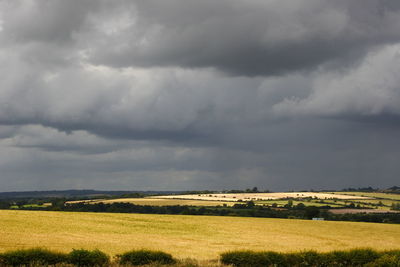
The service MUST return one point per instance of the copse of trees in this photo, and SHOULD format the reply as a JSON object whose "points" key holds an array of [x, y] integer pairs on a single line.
{"points": [[248, 190]]}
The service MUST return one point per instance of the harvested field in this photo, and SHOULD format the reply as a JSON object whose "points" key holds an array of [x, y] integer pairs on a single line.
{"points": [[156, 202], [200, 237], [261, 196]]}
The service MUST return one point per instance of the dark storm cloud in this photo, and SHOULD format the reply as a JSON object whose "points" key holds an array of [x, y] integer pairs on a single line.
{"points": [[45, 21], [199, 94], [251, 37]]}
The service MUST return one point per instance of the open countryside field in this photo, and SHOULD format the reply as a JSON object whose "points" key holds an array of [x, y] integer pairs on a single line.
{"points": [[201, 237], [261, 196], [377, 200], [384, 204], [371, 195], [156, 202], [281, 203]]}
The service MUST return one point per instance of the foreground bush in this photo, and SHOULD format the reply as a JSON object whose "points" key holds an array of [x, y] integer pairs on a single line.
{"points": [[304, 258], [251, 258], [142, 257], [35, 256], [82, 257], [85, 258], [354, 257], [386, 260]]}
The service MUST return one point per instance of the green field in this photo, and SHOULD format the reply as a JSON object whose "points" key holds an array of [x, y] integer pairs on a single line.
{"points": [[201, 237], [373, 195]]}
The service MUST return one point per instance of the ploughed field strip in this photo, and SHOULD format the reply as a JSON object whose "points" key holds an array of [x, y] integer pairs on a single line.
{"points": [[200, 237]]}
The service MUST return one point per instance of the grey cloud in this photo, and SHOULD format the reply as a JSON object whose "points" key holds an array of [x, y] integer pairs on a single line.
{"points": [[250, 38], [371, 89], [134, 94], [45, 21]]}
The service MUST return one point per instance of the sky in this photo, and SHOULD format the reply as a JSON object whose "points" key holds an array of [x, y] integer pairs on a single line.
{"points": [[193, 95]]}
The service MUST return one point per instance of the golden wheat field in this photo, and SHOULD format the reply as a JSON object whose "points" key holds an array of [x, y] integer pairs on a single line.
{"points": [[201, 237]]}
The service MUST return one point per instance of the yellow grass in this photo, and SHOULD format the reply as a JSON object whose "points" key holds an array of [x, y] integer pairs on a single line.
{"points": [[158, 202], [201, 237], [261, 196]]}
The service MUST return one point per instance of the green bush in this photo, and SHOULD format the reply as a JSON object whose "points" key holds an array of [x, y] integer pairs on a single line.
{"points": [[142, 257], [360, 257], [32, 256], [354, 257], [82, 257], [248, 258], [387, 260], [304, 258], [392, 252]]}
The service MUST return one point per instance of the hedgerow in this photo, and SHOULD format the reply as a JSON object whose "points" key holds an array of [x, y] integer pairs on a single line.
{"points": [[354, 257], [32, 256], [142, 257], [87, 258]]}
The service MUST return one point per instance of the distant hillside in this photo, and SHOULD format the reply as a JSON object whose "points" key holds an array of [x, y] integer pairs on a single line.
{"points": [[89, 193], [393, 190], [73, 193]]}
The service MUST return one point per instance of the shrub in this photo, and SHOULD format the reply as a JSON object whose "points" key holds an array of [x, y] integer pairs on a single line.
{"points": [[253, 259], [32, 256], [82, 257], [354, 257], [304, 258], [393, 253], [389, 258], [360, 257], [142, 257]]}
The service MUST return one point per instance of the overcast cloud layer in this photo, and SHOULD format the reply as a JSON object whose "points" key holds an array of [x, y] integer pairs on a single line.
{"points": [[176, 95]]}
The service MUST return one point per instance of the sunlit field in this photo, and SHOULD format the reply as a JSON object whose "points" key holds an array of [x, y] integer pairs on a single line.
{"points": [[157, 202], [261, 196], [201, 237]]}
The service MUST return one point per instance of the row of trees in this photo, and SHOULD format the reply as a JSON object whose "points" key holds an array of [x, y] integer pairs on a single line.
{"points": [[299, 211]]}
